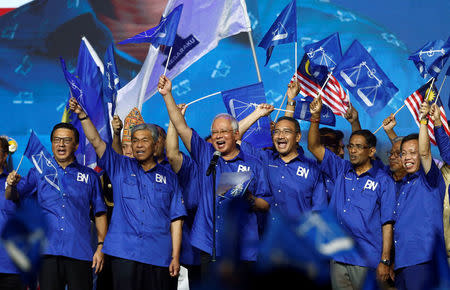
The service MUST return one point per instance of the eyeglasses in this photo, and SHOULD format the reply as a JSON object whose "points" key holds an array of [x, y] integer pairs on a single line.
{"points": [[277, 132], [357, 146], [65, 140], [393, 154], [221, 132]]}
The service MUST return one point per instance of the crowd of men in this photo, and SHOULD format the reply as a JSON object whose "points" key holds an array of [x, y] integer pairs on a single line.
{"points": [[164, 216]]}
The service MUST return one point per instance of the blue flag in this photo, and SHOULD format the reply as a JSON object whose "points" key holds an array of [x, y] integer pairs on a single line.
{"points": [[24, 239], [111, 81], [283, 30], [302, 112], [240, 102], [362, 76], [163, 34], [42, 161], [324, 55], [319, 235], [75, 88], [441, 270], [447, 73], [431, 58], [91, 81]]}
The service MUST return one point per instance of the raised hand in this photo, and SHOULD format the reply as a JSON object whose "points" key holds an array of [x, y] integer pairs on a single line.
{"points": [[164, 85], [13, 178], [424, 110], [117, 125], [293, 89], [316, 106], [351, 114], [182, 108], [74, 106], [435, 115], [389, 123], [264, 109]]}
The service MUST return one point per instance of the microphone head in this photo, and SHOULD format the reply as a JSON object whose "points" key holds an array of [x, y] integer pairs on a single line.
{"points": [[217, 153]]}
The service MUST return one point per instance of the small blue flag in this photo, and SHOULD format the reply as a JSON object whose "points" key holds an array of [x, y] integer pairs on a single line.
{"points": [[302, 112], [283, 30], [431, 58], [364, 78], [447, 73], [42, 161], [324, 55], [24, 239], [240, 102], [162, 34], [111, 81], [76, 90], [320, 237], [233, 184]]}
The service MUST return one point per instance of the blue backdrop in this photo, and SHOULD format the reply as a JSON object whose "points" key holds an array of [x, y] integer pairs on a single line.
{"points": [[33, 91]]}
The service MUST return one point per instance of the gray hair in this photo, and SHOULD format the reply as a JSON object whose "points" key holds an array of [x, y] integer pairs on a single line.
{"points": [[145, 126], [233, 121]]}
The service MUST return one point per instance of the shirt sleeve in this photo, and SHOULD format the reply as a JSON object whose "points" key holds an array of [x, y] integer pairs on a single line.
{"points": [[332, 165], [201, 151], [97, 200], [262, 183], [109, 161], [319, 198], [434, 176], [262, 155], [443, 143], [177, 208], [388, 196], [27, 186], [189, 182]]}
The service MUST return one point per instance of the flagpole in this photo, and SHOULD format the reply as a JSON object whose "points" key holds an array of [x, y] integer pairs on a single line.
{"points": [[168, 58], [295, 57], [282, 102], [282, 110], [20, 162], [202, 98], [254, 55], [428, 93], [394, 116], [324, 84], [439, 93], [148, 71]]}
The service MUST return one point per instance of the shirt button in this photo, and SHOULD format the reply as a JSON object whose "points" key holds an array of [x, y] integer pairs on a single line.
{"points": [[217, 231], [407, 182], [279, 190], [273, 218], [62, 229], [282, 176], [357, 178], [62, 217], [63, 205], [285, 164], [353, 188], [394, 211], [218, 216], [328, 180], [64, 194], [220, 202], [403, 192], [326, 190], [226, 162], [341, 223], [276, 204], [398, 203], [348, 199], [345, 210], [395, 242]]}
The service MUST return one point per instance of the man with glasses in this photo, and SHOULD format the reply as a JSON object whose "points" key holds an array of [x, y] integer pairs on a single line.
{"points": [[69, 257], [419, 209], [224, 134], [294, 179], [395, 168], [363, 199]]}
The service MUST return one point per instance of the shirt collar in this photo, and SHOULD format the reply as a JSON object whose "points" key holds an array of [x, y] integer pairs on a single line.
{"points": [[299, 157], [372, 171]]}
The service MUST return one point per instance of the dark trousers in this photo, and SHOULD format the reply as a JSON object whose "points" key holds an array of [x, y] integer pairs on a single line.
{"points": [[194, 276], [128, 274], [58, 271], [417, 277], [10, 282]]}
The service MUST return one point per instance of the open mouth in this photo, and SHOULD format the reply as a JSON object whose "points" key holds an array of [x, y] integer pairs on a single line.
{"points": [[220, 144], [61, 151], [409, 165], [282, 144]]}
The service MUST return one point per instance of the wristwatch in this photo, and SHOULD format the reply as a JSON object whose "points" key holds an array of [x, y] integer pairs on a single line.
{"points": [[386, 262]]}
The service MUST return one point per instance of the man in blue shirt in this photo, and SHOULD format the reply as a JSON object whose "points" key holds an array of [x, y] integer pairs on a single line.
{"points": [[395, 167], [363, 199], [146, 226], [9, 274], [224, 134], [69, 256], [295, 181], [418, 211]]}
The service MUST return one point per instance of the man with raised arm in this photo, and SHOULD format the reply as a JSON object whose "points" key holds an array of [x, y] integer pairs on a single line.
{"points": [[363, 199], [145, 231], [295, 180], [395, 168], [224, 133], [66, 204], [418, 211]]}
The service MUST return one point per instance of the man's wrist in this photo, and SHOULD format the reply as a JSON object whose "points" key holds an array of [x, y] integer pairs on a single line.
{"points": [[82, 116]]}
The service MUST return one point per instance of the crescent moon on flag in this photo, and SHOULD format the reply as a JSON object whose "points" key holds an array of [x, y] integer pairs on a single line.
{"points": [[307, 67]]}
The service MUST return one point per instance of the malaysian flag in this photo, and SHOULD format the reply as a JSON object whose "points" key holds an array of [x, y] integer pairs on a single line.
{"points": [[414, 101], [333, 95]]}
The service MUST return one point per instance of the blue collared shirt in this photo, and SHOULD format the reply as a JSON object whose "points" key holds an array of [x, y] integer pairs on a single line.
{"points": [[145, 204], [363, 204], [296, 185], [7, 210], [190, 185], [202, 152], [67, 210], [443, 143], [418, 213]]}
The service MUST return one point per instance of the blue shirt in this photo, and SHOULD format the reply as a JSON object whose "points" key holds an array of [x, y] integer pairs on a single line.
{"points": [[418, 213], [296, 185], [190, 184], [363, 204], [67, 210], [145, 204], [443, 143], [201, 235], [7, 210]]}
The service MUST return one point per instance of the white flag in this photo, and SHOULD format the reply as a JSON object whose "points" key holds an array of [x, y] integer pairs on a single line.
{"points": [[202, 25]]}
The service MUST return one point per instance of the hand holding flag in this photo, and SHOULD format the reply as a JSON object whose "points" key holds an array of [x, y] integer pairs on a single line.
{"points": [[74, 84], [111, 82], [431, 58], [302, 112]]}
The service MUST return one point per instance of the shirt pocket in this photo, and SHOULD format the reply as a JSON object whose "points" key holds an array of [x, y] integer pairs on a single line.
{"points": [[367, 200], [130, 188], [160, 196]]}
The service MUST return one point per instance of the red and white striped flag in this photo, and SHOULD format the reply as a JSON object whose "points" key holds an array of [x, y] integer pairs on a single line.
{"points": [[333, 95], [10, 5], [413, 103]]}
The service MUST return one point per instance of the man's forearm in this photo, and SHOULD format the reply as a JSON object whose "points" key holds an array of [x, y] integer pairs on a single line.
{"points": [[387, 241], [424, 146], [92, 134], [314, 138], [117, 144], [176, 232], [11, 193], [178, 121], [172, 149], [101, 224]]}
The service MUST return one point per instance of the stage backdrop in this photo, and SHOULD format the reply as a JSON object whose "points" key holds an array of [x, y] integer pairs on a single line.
{"points": [[33, 92]]}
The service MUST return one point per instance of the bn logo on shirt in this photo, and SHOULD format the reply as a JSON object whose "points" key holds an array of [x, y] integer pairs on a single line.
{"points": [[160, 178], [302, 172], [371, 185], [82, 177]]}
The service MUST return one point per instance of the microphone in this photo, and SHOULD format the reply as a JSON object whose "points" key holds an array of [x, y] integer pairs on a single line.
{"points": [[213, 162]]}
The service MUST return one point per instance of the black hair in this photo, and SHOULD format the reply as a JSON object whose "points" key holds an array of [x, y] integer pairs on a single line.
{"points": [[4, 144], [292, 120], [413, 136], [66, 126], [330, 137], [371, 140]]}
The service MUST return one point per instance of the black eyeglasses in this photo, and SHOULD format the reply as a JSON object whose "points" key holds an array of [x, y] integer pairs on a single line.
{"points": [[357, 146], [394, 154]]}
